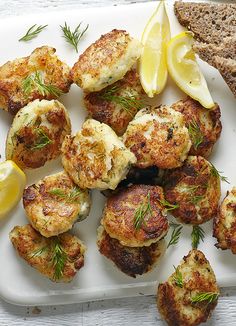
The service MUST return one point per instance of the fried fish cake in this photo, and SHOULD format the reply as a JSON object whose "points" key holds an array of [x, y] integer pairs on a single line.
{"points": [[37, 133], [225, 223], [130, 260], [95, 157], [21, 79], [55, 203], [195, 190], [176, 298], [136, 216], [204, 126], [58, 258], [106, 61], [116, 105], [158, 136]]}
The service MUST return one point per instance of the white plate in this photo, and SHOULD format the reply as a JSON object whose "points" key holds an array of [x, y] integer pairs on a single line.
{"points": [[99, 279]]}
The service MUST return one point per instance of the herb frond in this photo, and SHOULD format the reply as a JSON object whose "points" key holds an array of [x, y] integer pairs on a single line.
{"points": [[195, 133], [35, 81], [32, 32], [70, 198], [175, 235], [168, 206], [58, 259], [205, 296], [196, 199], [178, 278], [142, 211], [73, 37], [42, 139], [217, 174], [127, 101], [38, 252], [197, 235]]}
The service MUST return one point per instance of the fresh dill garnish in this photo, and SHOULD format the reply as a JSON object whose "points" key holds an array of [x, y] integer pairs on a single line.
{"points": [[41, 141], [175, 235], [38, 252], [70, 197], [168, 206], [32, 32], [195, 134], [142, 211], [58, 259], [196, 199], [217, 174], [205, 296], [197, 235], [73, 37], [128, 102], [35, 81], [178, 278]]}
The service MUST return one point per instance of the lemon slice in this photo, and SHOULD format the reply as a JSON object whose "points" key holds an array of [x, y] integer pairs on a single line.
{"points": [[184, 70], [152, 64], [12, 183]]}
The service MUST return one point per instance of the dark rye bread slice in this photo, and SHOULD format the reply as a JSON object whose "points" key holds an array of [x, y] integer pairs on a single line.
{"points": [[210, 22], [227, 68], [207, 52]]}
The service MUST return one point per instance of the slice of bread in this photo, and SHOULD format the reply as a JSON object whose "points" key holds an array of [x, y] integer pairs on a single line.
{"points": [[227, 68], [210, 22]]}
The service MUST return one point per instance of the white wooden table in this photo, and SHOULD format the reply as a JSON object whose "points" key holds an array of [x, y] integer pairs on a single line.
{"points": [[125, 312]]}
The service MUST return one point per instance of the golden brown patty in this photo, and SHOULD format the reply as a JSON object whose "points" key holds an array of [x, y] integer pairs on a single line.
{"points": [[174, 302], [158, 136], [204, 126], [47, 255], [95, 157], [106, 61], [55, 203], [225, 223], [130, 260], [116, 105], [195, 189], [37, 133], [136, 216], [42, 63]]}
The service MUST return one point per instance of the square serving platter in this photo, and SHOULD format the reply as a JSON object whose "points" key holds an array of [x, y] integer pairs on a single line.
{"points": [[99, 278]]}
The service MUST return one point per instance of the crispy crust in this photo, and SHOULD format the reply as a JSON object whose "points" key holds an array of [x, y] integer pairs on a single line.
{"points": [[174, 303], [95, 157], [195, 188], [208, 122], [12, 74], [131, 261], [110, 112], [119, 216], [158, 136], [52, 213], [106, 61], [28, 242], [225, 223], [29, 128]]}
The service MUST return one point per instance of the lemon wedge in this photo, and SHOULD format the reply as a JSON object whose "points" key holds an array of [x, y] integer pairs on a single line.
{"points": [[184, 69], [152, 63], [12, 183]]}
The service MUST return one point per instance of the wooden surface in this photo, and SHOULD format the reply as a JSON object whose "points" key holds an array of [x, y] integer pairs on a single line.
{"points": [[126, 312]]}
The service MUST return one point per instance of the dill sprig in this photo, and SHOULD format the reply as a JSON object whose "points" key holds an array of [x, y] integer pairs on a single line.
{"points": [[168, 206], [178, 277], [73, 37], [42, 139], [35, 81], [197, 235], [128, 102], [195, 133], [58, 259], [32, 32], [71, 197], [175, 235], [205, 296], [217, 174], [196, 199], [38, 252], [141, 212]]}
